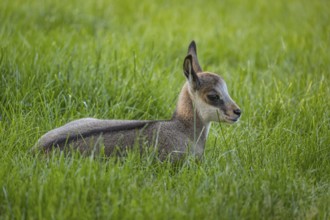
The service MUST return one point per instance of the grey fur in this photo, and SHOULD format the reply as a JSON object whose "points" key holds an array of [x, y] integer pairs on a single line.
{"points": [[185, 133]]}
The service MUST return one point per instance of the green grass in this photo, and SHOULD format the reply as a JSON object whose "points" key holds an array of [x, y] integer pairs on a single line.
{"points": [[64, 60]]}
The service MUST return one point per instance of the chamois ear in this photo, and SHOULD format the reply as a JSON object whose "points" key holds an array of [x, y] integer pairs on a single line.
{"points": [[190, 73], [192, 50]]}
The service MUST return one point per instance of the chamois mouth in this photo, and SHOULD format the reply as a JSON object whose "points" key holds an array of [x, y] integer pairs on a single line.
{"points": [[231, 120]]}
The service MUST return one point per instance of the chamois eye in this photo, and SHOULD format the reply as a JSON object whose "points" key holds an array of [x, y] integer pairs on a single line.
{"points": [[213, 97]]}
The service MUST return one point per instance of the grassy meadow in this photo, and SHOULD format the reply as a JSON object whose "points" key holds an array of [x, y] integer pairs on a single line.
{"points": [[61, 61]]}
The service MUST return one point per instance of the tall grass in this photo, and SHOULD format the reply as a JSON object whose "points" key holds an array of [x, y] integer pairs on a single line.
{"points": [[60, 61]]}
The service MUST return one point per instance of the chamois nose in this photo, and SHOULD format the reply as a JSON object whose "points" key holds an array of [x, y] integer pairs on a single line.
{"points": [[237, 111]]}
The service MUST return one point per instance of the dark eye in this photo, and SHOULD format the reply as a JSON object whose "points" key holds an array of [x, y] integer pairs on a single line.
{"points": [[213, 97]]}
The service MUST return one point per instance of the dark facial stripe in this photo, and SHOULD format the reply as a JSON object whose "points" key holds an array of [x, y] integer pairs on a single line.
{"points": [[218, 104]]}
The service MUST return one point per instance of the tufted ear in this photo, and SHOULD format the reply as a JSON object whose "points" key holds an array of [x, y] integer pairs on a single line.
{"points": [[192, 50], [190, 73]]}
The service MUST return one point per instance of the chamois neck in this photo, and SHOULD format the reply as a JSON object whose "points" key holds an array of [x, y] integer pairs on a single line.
{"points": [[187, 114]]}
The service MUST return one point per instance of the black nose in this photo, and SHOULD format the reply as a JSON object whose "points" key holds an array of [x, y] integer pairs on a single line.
{"points": [[237, 111]]}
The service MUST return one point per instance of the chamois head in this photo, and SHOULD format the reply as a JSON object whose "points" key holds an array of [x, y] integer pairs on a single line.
{"points": [[208, 91]]}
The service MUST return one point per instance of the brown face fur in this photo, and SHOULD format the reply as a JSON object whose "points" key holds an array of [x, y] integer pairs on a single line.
{"points": [[208, 91], [213, 100]]}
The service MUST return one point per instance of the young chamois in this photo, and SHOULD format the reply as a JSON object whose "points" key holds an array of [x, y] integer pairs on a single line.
{"points": [[204, 98]]}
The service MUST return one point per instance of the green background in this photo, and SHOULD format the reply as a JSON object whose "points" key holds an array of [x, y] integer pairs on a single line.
{"points": [[64, 60]]}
